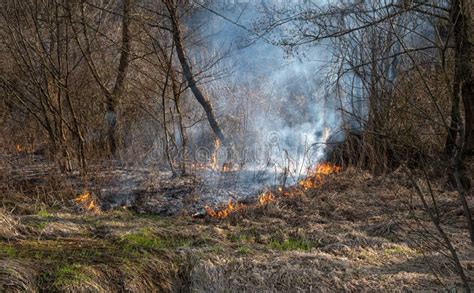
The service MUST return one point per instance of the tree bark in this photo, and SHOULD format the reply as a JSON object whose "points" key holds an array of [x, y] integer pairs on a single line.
{"points": [[187, 71], [182, 130], [463, 86], [462, 18], [112, 97]]}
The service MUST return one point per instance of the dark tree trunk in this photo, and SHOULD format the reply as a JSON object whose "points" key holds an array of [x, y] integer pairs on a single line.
{"points": [[112, 98], [462, 19], [463, 87], [188, 74]]}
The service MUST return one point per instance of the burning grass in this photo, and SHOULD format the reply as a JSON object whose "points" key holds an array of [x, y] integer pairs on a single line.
{"points": [[314, 179], [316, 176], [223, 213], [87, 202], [338, 236]]}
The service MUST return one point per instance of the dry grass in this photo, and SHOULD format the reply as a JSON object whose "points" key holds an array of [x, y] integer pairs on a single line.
{"points": [[355, 233], [18, 276], [9, 226]]}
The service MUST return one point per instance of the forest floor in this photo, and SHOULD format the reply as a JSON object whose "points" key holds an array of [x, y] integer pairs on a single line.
{"points": [[355, 232]]}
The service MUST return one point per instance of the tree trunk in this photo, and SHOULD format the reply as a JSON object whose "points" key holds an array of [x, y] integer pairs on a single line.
{"points": [[463, 22], [112, 98], [455, 126], [182, 130], [463, 87], [188, 74]]}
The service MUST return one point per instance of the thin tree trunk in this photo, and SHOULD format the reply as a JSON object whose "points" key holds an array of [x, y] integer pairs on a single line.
{"points": [[182, 130], [167, 147], [188, 74], [454, 130], [163, 108]]}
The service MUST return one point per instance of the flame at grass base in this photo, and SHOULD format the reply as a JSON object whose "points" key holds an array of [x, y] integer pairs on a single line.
{"points": [[315, 179], [266, 197], [225, 212], [87, 202], [233, 207]]}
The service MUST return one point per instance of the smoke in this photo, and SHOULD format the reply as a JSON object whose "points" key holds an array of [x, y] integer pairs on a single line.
{"points": [[284, 109]]}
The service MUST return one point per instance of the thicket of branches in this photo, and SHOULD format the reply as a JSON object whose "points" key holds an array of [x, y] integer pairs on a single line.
{"points": [[86, 79]]}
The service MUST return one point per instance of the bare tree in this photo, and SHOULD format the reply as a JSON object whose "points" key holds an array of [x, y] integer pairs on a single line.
{"points": [[172, 7], [39, 41], [112, 96]]}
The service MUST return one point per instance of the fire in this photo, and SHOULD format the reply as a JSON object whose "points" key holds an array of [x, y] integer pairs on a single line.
{"points": [[85, 199], [266, 197], [316, 177], [225, 212], [233, 207], [18, 148], [91, 205], [327, 168], [82, 197]]}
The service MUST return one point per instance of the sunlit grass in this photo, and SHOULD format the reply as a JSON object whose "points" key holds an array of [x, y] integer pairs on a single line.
{"points": [[290, 244], [69, 274], [147, 240]]}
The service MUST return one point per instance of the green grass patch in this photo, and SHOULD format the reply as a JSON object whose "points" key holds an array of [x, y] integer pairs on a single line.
{"points": [[240, 238], [398, 250], [243, 250], [8, 250], [37, 224], [290, 244], [44, 214], [69, 274], [144, 239]]}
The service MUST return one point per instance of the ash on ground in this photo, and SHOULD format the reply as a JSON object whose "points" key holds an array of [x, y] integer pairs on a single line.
{"points": [[157, 192], [143, 189]]}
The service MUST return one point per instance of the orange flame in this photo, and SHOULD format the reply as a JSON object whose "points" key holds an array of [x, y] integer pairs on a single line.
{"points": [[18, 148], [232, 207], [313, 180], [91, 205], [266, 197], [316, 177], [225, 212], [85, 199]]}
